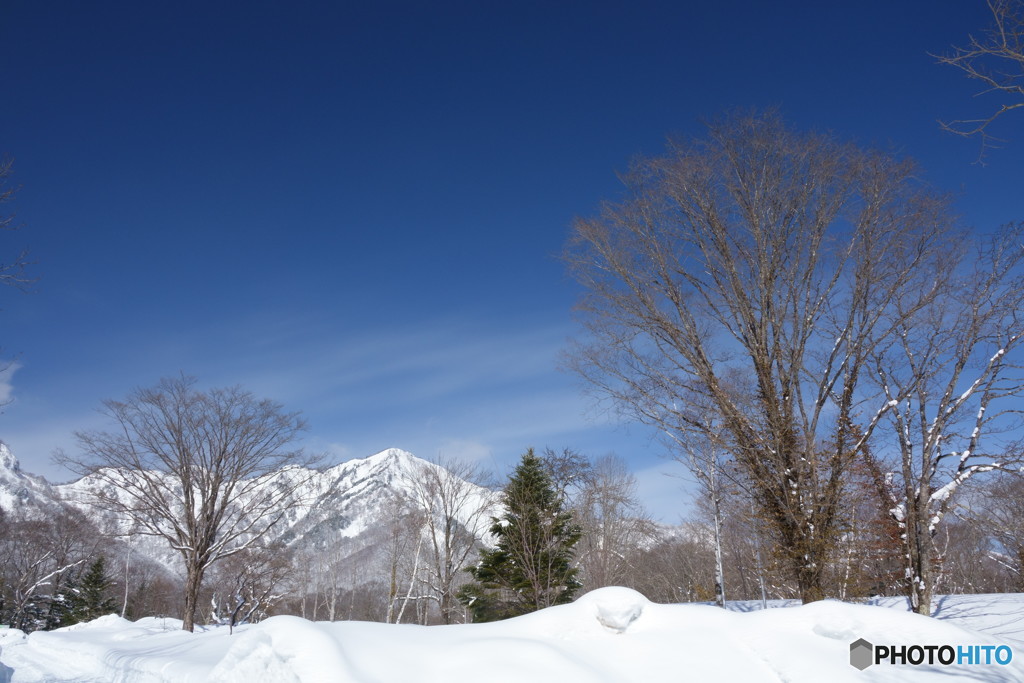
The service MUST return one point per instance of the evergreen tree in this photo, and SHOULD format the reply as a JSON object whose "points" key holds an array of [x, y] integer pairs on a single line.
{"points": [[60, 609], [530, 568], [90, 595]]}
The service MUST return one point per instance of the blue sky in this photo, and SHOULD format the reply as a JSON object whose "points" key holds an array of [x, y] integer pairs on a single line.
{"points": [[356, 208]]}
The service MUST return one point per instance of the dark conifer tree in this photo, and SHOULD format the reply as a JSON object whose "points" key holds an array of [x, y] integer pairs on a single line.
{"points": [[531, 566], [91, 594]]}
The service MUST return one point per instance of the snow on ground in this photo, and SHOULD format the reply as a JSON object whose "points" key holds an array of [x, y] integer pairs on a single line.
{"points": [[612, 634]]}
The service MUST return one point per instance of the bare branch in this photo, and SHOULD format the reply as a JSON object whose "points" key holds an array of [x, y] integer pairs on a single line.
{"points": [[996, 59], [744, 283], [210, 472], [951, 379]]}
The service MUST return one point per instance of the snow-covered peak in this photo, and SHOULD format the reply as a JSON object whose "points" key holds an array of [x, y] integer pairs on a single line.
{"points": [[7, 459], [393, 458], [388, 465], [19, 488]]}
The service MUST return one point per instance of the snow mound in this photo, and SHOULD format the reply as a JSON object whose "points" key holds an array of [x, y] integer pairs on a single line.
{"points": [[610, 635], [161, 623], [284, 649], [107, 621], [616, 608]]}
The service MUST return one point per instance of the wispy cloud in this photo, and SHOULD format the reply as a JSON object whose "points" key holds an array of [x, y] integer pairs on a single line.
{"points": [[401, 365], [7, 370], [466, 450], [475, 391], [441, 368]]}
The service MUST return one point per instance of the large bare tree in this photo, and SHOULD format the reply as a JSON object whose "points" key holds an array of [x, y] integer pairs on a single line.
{"points": [[749, 274], [212, 472]]}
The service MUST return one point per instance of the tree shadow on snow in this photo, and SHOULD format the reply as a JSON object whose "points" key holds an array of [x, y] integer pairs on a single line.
{"points": [[998, 614]]}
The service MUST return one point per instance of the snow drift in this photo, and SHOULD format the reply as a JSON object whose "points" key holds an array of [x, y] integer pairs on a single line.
{"points": [[611, 634]]}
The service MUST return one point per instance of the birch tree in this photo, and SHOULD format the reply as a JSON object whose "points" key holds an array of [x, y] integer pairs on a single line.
{"points": [[707, 461], [210, 472], [770, 255], [952, 376], [403, 545], [455, 511]]}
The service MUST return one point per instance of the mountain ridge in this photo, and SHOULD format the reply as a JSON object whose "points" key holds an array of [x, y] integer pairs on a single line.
{"points": [[352, 501]]}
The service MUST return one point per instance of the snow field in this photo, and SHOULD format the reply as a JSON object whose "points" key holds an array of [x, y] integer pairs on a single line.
{"points": [[608, 635]]}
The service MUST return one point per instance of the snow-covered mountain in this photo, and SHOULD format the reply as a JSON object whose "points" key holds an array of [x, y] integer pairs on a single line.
{"points": [[19, 489], [354, 496], [355, 501]]}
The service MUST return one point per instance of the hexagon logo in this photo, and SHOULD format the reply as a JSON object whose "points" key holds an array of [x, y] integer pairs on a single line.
{"points": [[861, 654]]}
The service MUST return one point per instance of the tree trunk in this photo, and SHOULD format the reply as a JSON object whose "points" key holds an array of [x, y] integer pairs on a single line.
{"points": [[811, 582], [804, 552], [127, 558], [446, 607], [920, 577], [719, 568], [809, 554], [193, 583]]}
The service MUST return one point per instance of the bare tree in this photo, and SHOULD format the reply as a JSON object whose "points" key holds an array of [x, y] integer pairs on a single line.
{"points": [[708, 460], [403, 546], [211, 472], [677, 568], [456, 511], [319, 576], [968, 562], [248, 585], [996, 59], [613, 522], [569, 470], [36, 557], [320, 573], [953, 377], [999, 514], [769, 255]]}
